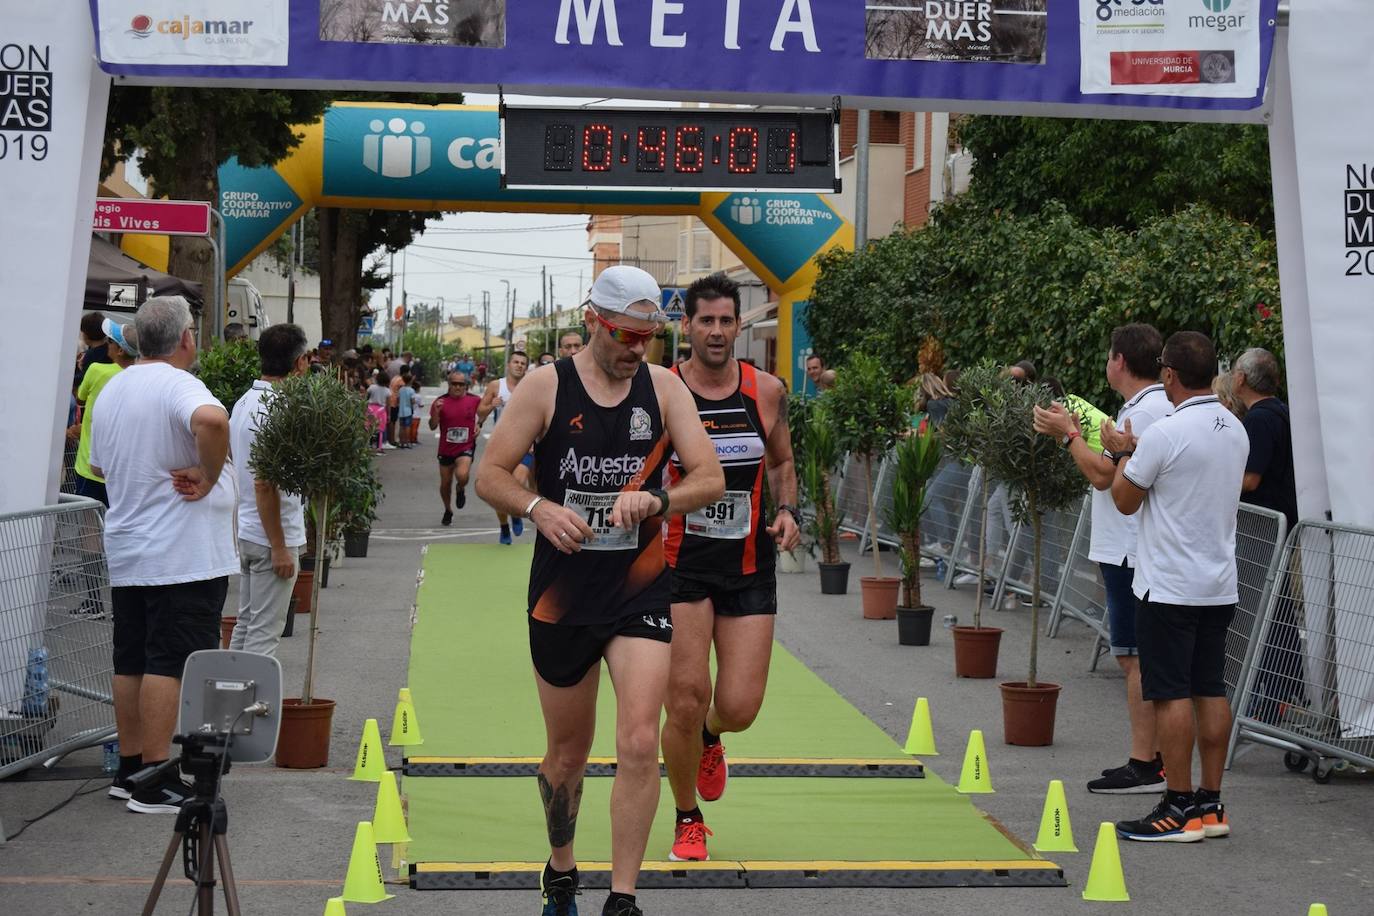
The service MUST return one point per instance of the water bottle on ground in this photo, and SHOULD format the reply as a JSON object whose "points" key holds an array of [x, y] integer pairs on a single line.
{"points": [[109, 757], [941, 567], [36, 683]]}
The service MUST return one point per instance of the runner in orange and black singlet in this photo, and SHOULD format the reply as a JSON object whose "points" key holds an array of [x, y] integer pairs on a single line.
{"points": [[602, 424], [723, 558]]}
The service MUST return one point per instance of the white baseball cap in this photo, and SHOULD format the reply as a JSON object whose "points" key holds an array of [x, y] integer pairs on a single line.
{"points": [[619, 287]]}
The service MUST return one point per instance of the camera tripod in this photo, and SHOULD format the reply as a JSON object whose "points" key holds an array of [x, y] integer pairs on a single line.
{"points": [[201, 827]]}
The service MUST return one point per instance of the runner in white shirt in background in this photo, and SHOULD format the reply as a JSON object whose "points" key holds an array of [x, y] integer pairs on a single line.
{"points": [[1183, 475], [271, 523]]}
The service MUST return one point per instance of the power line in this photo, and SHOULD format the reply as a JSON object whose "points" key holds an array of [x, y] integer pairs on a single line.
{"points": [[504, 254]]}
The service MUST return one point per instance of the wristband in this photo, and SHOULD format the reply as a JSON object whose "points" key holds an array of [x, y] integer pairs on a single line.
{"points": [[662, 499], [530, 508], [792, 511], [1072, 435], [1118, 457]]}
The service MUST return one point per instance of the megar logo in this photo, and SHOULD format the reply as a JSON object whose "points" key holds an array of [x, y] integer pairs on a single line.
{"points": [[141, 26], [1217, 6], [1217, 19]]}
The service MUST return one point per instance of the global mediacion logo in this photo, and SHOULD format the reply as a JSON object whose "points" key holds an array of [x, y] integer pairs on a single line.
{"points": [[143, 26]]}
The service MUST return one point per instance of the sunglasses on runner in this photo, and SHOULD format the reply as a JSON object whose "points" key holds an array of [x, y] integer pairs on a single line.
{"points": [[624, 335]]}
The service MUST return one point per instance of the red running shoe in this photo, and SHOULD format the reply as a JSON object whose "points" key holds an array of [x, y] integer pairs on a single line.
{"points": [[689, 842], [713, 772]]}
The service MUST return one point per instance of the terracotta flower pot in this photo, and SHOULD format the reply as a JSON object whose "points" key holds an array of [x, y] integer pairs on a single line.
{"points": [[834, 578], [1028, 713], [303, 743], [302, 591], [879, 596], [975, 651], [226, 629]]}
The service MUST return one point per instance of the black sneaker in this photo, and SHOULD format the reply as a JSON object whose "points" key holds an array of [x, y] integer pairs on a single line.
{"points": [[166, 797], [462, 498], [121, 788], [1213, 814], [560, 893], [447, 519], [621, 907], [1167, 823], [1158, 763], [89, 609], [1134, 778]]}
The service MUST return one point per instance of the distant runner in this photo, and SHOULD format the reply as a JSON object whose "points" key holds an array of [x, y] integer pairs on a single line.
{"points": [[454, 414], [602, 425], [494, 399]]}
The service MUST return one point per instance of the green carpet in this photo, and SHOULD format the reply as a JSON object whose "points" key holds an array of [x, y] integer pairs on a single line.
{"points": [[474, 692]]}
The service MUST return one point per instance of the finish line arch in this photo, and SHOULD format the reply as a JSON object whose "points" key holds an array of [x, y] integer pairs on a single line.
{"points": [[446, 157]]}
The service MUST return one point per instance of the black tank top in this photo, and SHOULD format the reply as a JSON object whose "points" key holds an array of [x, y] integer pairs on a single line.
{"points": [[586, 458], [728, 537]]}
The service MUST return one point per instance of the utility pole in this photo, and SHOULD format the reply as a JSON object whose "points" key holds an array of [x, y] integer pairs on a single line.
{"points": [[291, 275], [486, 325], [861, 183], [390, 300]]}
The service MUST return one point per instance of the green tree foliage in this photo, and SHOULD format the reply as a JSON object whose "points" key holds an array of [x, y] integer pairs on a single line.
{"points": [[914, 462], [229, 369], [1119, 173]]}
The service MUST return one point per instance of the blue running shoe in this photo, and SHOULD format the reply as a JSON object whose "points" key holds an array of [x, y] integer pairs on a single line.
{"points": [[505, 536], [517, 527], [560, 893]]}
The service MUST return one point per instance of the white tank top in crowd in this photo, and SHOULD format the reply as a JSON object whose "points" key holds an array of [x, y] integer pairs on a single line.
{"points": [[503, 392]]}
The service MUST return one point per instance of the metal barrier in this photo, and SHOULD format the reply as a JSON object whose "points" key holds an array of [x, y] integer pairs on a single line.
{"points": [[1080, 595], [1308, 684], [1057, 531], [55, 633], [1260, 535]]}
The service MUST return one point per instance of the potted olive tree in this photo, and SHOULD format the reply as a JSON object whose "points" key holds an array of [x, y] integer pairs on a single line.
{"points": [[870, 413], [914, 461], [822, 457], [982, 389], [314, 442], [229, 370], [1044, 478]]}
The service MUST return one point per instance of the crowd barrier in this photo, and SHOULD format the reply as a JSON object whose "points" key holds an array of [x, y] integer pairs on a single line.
{"points": [[55, 633]]}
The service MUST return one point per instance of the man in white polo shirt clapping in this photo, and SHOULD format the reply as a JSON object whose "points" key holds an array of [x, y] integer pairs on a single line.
{"points": [[1183, 475]]}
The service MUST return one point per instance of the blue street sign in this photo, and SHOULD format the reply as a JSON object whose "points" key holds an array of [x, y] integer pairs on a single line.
{"points": [[672, 302]]}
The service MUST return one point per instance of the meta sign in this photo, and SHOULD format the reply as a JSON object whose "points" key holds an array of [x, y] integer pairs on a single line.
{"points": [[151, 217]]}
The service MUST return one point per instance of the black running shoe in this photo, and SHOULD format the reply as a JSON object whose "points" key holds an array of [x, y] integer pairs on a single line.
{"points": [[166, 797], [448, 516], [621, 907], [1167, 823], [121, 788], [560, 893], [462, 497], [1134, 778]]}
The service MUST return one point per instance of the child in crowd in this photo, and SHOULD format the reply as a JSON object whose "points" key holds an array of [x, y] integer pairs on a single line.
{"points": [[417, 407], [405, 410]]}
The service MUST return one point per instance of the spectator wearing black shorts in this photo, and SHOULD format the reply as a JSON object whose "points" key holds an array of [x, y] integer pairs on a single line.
{"points": [[1183, 475], [160, 439]]}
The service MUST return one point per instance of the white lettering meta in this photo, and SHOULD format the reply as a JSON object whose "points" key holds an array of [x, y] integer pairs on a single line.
{"points": [[662, 9], [588, 14], [803, 25]]}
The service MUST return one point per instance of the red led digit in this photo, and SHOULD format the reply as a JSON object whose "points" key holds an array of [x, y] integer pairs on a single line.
{"points": [[743, 150], [782, 150], [596, 147], [650, 148], [688, 155]]}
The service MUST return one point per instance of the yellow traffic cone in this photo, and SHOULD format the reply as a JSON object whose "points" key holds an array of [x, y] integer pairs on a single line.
{"points": [[920, 738], [371, 763], [364, 881], [975, 778], [405, 728], [388, 821], [334, 907], [1056, 834], [1106, 883], [1317, 909]]}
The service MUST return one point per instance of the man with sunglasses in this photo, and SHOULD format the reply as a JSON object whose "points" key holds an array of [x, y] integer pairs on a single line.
{"points": [[602, 425], [1183, 476], [454, 414], [723, 558]]}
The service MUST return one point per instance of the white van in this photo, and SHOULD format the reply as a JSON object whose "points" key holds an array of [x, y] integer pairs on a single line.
{"points": [[244, 305]]}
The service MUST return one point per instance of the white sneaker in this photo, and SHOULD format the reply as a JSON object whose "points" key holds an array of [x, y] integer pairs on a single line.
{"points": [[965, 579], [388, 445]]}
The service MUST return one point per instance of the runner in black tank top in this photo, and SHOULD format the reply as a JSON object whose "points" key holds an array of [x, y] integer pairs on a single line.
{"points": [[723, 559], [602, 424]]}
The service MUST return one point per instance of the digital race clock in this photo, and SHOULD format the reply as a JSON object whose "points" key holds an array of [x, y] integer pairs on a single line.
{"points": [[669, 149]]}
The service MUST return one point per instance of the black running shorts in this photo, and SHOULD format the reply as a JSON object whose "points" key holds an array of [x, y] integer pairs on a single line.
{"points": [[731, 596], [564, 653], [448, 461], [1182, 649], [157, 626]]}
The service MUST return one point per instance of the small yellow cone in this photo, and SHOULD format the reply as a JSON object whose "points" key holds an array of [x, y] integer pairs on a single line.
{"points": [[335, 907], [370, 764], [388, 821], [364, 881], [1056, 834], [1106, 883], [920, 738], [1317, 909], [405, 728], [975, 778]]}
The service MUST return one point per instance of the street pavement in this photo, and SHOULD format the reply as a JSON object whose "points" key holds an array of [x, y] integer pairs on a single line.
{"points": [[1294, 842]]}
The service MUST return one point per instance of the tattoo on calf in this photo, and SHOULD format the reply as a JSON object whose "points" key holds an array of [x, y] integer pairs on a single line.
{"points": [[560, 810]]}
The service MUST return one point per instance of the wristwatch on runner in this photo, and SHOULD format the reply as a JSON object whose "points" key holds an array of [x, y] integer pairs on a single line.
{"points": [[792, 511], [662, 499]]}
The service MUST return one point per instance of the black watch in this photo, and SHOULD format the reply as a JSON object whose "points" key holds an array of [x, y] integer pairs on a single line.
{"points": [[1117, 456], [662, 499], [792, 511]]}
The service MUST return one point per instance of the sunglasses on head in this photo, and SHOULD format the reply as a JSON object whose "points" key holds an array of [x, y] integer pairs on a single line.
{"points": [[624, 336]]}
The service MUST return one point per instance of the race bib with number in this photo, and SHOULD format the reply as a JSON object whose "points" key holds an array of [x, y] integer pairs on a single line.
{"points": [[456, 435], [596, 512], [728, 518]]}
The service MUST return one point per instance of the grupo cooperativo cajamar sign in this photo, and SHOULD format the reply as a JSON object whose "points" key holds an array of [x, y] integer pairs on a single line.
{"points": [[1032, 56]]}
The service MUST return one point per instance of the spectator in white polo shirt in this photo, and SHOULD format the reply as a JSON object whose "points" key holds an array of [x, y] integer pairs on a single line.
{"points": [[1133, 372], [1183, 475], [271, 522]]}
